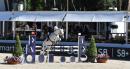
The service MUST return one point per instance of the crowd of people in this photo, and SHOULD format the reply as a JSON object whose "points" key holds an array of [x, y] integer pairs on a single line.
{"points": [[45, 29], [44, 32]]}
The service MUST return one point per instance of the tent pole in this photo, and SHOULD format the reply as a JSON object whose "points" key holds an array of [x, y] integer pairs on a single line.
{"points": [[99, 31], [25, 4], [97, 28], [66, 30], [67, 5], [48, 24], [13, 29], [126, 24], [105, 29], [67, 22], [126, 32], [7, 4], [56, 23], [3, 30]]}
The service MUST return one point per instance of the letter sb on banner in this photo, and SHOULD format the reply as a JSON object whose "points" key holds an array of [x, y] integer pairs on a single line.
{"points": [[30, 50]]}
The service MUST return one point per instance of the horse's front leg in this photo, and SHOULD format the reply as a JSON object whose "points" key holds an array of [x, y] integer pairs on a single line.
{"points": [[44, 49]]}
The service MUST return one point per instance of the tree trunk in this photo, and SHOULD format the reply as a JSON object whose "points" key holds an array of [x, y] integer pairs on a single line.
{"points": [[128, 5], [119, 4]]}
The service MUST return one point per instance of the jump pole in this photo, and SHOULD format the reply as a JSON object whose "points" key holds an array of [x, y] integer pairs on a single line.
{"points": [[79, 34]]}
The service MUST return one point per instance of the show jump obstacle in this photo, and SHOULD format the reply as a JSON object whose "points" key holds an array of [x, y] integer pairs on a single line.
{"points": [[31, 51], [115, 51]]}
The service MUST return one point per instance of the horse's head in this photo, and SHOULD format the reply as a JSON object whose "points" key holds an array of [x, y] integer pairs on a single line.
{"points": [[57, 35], [59, 31]]}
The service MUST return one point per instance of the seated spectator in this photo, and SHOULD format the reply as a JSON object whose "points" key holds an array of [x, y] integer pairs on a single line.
{"points": [[26, 27], [34, 26], [45, 31]]}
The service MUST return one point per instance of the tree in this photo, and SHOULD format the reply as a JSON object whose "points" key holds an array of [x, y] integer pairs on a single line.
{"points": [[34, 5], [29, 5], [18, 48], [125, 4], [128, 5], [92, 51], [39, 5], [119, 4]]}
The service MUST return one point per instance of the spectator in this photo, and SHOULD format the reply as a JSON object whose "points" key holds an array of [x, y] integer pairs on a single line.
{"points": [[34, 27], [26, 27], [45, 31], [87, 32], [50, 30]]}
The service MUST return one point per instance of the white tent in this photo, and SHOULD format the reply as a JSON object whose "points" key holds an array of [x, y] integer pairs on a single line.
{"points": [[79, 17], [109, 17], [69, 16], [44, 16], [51, 16], [24, 16], [73, 16], [95, 16], [5, 16]]}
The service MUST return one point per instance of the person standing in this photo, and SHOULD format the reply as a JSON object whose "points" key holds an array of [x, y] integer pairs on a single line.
{"points": [[34, 27], [45, 31], [26, 26], [50, 30]]}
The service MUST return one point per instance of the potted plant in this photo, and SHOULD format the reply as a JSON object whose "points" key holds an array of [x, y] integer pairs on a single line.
{"points": [[15, 59], [102, 58], [91, 51]]}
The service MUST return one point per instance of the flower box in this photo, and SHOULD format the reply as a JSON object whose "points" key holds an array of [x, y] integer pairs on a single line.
{"points": [[102, 58], [12, 60]]}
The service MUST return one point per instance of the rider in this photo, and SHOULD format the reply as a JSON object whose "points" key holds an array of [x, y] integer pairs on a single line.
{"points": [[45, 46]]}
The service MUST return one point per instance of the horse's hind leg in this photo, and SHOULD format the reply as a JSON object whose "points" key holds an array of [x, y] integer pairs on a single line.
{"points": [[43, 49]]}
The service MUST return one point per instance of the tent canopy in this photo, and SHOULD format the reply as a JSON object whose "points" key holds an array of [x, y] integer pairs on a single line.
{"points": [[5, 16], [95, 16], [71, 16], [44, 16]]}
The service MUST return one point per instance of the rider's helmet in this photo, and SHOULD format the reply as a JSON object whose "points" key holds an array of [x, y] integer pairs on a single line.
{"points": [[55, 27]]}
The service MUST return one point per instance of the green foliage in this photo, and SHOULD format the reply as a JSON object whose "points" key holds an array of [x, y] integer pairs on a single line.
{"points": [[18, 48], [89, 5], [29, 5], [92, 49], [34, 5], [39, 4]]}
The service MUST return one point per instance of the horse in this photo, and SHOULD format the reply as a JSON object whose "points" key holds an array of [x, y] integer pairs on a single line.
{"points": [[53, 38]]}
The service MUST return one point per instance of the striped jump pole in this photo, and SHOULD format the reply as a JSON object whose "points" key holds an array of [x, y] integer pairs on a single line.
{"points": [[80, 46]]}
